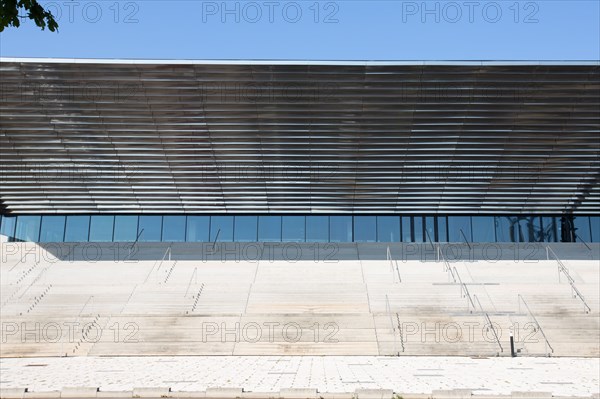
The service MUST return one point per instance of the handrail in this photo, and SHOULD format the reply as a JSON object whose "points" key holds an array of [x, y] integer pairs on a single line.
{"points": [[388, 310], [400, 332], [562, 268], [463, 287], [487, 316], [134, 242], [195, 273], [83, 307], [214, 243], [429, 237], [393, 264], [168, 251], [447, 267], [583, 241], [465, 237], [519, 296]]}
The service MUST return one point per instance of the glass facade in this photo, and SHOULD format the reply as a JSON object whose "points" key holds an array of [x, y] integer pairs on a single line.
{"points": [[388, 229], [340, 228], [293, 228], [417, 229], [221, 228], [77, 229], [365, 228], [459, 229], [300, 228], [484, 229], [269, 228], [173, 228], [53, 229], [245, 228], [582, 229], [101, 228], [150, 228], [7, 226], [406, 228], [317, 228], [28, 228], [126, 228], [197, 228]]}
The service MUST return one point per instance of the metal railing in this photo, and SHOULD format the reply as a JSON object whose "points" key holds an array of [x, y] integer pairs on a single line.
{"points": [[194, 274], [429, 238], [465, 238], [435, 246], [134, 243], [393, 265], [214, 243], [489, 321], [465, 290], [400, 332], [447, 267], [583, 241], [388, 310], [547, 343], [168, 251], [563, 269]]}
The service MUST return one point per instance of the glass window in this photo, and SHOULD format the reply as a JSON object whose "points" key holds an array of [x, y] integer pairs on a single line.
{"points": [[484, 229], [442, 229], [595, 228], [418, 229], [150, 228], [388, 228], [558, 224], [269, 228], [459, 229], [567, 229], [582, 228], [101, 228], [221, 228], [53, 229], [548, 229], [317, 228], [293, 228], [506, 230], [197, 228], [28, 228], [365, 228], [173, 228], [126, 228], [527, 229], [8, 226], [536, 233], [78, 228], [406, 229], [340, 228], [429, 229], [245, 229]]}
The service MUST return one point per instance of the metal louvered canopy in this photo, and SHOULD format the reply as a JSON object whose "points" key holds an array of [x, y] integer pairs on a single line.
{"points": [[299, 137]]}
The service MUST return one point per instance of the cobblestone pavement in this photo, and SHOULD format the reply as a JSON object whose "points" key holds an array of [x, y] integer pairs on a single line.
{"points": [[561, 376]]}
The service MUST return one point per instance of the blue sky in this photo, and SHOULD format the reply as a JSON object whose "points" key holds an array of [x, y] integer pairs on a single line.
{"points": [[307, 29]]}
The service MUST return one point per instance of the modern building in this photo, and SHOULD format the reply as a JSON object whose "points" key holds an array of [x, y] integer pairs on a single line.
{"points": [[285, 151], [256, 208]]}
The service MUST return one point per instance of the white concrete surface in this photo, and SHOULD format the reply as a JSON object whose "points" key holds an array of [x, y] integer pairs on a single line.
{"points": [[491, 376], [191, 307]]}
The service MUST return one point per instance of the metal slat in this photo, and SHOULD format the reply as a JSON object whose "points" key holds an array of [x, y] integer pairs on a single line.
{"points": [[287, 137]]}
